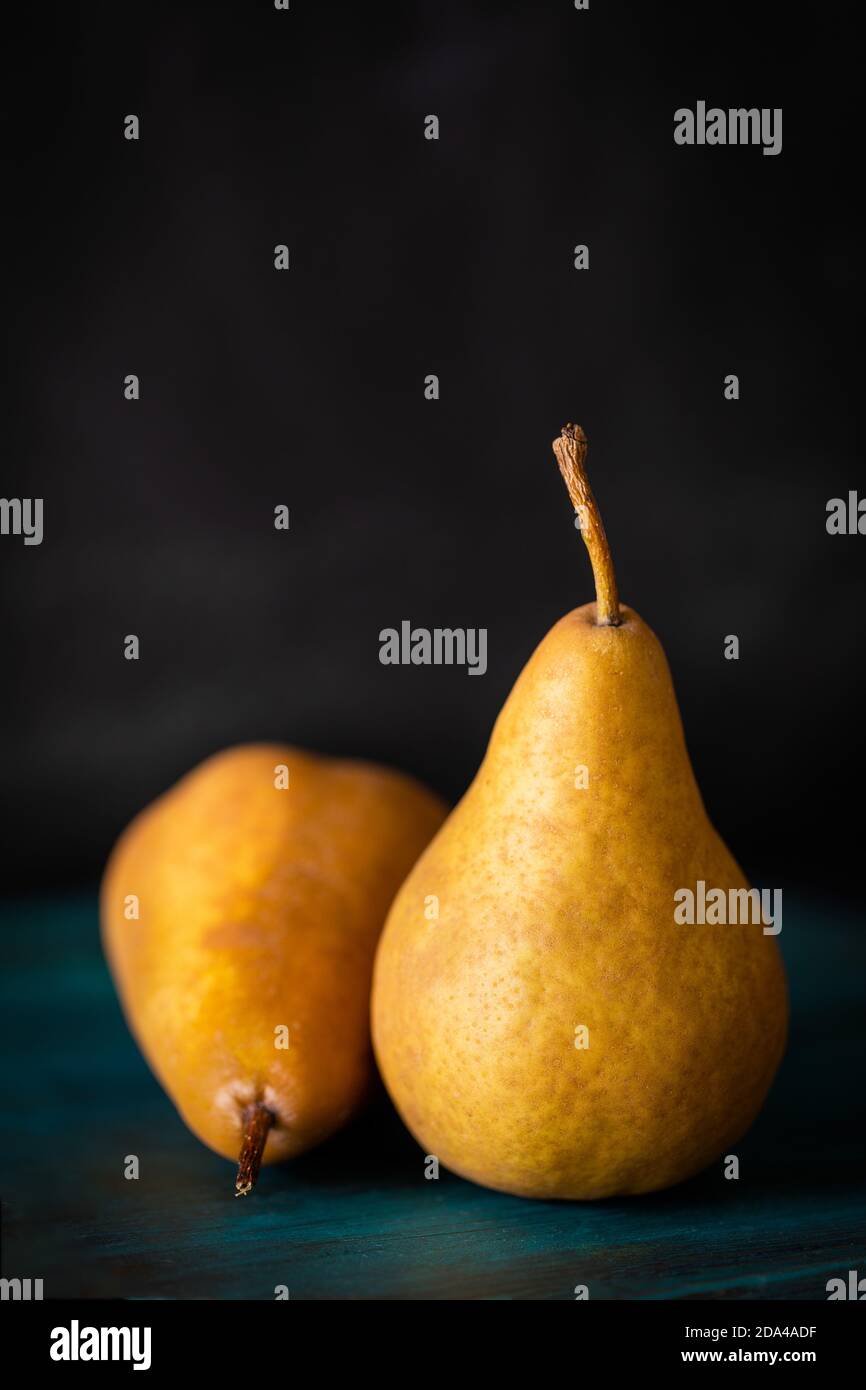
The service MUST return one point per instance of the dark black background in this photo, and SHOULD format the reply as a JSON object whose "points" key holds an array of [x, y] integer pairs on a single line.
{"points": [[410, 257]]}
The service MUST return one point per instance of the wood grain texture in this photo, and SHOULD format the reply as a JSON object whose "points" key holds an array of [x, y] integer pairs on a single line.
{"points": [[357, 1219]]}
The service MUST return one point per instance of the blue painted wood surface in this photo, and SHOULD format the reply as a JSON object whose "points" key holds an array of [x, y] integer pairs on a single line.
{"points": [[356, 1219]]}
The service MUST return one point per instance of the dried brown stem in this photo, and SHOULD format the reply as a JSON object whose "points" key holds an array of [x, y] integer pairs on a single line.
{"points": [[570, 450], [257, 1121]]}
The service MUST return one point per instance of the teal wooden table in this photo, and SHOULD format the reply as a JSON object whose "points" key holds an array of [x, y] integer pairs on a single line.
{"points": [[357, 1219]]}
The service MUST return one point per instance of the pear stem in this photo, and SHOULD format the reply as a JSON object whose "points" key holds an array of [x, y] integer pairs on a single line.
{"points": [[257, 1121], [570, 450]]}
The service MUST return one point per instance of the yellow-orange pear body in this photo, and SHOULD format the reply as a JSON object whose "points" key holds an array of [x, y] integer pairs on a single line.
{"points": [[261, 893], [554, 1032]]}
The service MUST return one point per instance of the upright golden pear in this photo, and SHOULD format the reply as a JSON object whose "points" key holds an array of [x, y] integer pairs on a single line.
{"points": [[240, 914], [557, 1031]]}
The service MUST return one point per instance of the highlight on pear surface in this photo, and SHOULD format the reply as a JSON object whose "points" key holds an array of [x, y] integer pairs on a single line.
{"points": [[259, 885], [558, 1034]]}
